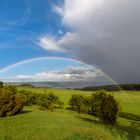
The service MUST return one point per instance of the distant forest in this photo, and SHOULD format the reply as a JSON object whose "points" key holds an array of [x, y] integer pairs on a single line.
{"points": [[134, 87]]}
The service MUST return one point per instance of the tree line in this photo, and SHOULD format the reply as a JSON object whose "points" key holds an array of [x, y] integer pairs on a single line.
{"points": [[132, 87]]}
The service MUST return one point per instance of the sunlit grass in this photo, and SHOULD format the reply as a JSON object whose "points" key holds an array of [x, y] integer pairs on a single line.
{"points": [[129, 100], [62, 124]]}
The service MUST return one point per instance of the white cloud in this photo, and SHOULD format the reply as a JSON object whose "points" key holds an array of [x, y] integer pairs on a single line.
{"points": [[22, 76], [49, 44], [78, 11], [58, 45], [70, 74]]}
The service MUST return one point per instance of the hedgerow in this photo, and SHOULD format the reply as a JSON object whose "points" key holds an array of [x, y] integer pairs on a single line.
{"points": [[45, 100]]}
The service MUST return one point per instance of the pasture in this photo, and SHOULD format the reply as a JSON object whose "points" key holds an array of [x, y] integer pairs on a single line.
{"points": [[64, 124]]}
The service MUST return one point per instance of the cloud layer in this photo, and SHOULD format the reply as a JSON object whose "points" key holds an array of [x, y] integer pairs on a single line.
{"points": [[70, 74], [104, 33]]}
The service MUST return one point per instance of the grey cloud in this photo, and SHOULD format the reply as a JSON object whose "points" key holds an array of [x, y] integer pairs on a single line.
{"points": [[108, 37]]}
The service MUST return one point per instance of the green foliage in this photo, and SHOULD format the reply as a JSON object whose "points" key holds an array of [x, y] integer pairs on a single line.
{"points": [[78, 103], [1, 84], [108, 110], [60, 104], [105, 107], [95, 101], [46, 100], [29, 98], [10, 103], [49, 101], [11, 88], [101, 105]]}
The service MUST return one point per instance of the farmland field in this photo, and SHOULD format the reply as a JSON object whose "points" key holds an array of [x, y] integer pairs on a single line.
{"points": [[63, 124]]}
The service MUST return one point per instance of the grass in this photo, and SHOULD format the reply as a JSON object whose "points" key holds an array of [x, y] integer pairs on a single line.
{"points": [[129, 100], [62, 124]]}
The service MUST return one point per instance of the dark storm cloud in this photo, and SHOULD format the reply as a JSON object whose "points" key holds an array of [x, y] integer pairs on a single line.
{"points": [[105, 33]]}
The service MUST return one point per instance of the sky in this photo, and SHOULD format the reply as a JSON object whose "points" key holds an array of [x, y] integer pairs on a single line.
{"points": [[52, 69], [102, 33]]}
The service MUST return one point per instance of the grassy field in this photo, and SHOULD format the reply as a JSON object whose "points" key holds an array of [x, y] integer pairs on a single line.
{"points": [[62, 124]]}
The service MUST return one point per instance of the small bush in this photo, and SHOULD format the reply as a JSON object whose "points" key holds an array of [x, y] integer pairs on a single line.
{"points": [[78, 103], [105, 107], [11, 88], [60, 104], [10, 103], [49, 101], [29, 98]]}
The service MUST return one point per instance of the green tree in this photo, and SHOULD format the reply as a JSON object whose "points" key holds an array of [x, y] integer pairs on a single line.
{"points": [[105, 107]]}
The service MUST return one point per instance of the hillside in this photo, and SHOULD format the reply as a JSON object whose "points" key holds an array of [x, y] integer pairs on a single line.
{"points": [[63, 124]]}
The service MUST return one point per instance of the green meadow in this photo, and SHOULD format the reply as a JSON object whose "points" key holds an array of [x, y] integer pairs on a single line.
{"points": [[64, 124]]}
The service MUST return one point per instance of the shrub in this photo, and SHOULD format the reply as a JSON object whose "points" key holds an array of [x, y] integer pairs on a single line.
{"points": [[46, 100], [11, 88], [60, 104], [100, 104], [78, 103], [29, 98], [10, 103], [49, 101], [105, 107]]}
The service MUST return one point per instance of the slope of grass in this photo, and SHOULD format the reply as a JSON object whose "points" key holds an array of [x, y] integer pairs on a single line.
{"points": [[62, 124], [57, 125]]}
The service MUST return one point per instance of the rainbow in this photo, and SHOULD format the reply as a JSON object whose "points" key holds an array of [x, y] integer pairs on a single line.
{"points": [[60, 58]]}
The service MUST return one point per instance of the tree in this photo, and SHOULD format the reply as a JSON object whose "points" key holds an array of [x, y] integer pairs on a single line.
{"points": [[105, 107]]}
